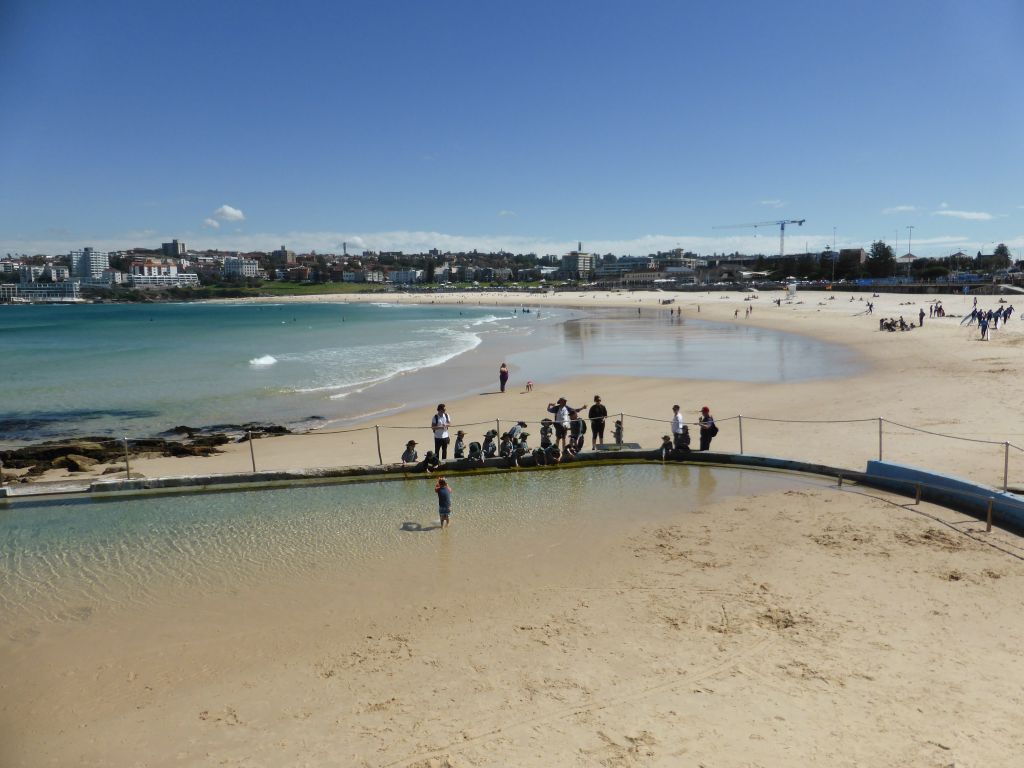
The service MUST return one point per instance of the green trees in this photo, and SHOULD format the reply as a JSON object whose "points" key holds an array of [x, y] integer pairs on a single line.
{"points": [[1002, 257], [881, 262]]}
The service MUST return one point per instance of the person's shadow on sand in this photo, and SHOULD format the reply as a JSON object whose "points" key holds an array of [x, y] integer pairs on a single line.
{"points": [[417, 528]]}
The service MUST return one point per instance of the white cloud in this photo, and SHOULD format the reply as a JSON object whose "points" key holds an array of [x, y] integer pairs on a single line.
{"points": [[227, 213], [211, 223], [966, 215], [900, 209], [506, 213], [943, 205], [773, 203]]}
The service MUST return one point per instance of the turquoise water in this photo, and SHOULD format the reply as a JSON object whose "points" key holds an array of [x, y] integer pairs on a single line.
{"points": [[138, 370], [63, 560], [142, 369]]}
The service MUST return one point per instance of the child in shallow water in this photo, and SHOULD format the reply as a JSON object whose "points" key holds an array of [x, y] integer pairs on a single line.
{"points": [[444, 501]]}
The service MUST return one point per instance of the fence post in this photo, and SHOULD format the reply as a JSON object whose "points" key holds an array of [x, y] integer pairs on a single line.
{"points": [[622, 423], [879, 438], [917, 497], [497, 426], [127, 465], [740, 417], [380, 456], [840, 480], [252, 451], [988, 516], [1006, 467]]}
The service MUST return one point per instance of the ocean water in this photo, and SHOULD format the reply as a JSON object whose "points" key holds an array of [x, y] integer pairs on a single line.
{"points": [[139, 370]]}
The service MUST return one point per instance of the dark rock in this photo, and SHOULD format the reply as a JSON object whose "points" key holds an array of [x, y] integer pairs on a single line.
{"points": [[78, 463]]}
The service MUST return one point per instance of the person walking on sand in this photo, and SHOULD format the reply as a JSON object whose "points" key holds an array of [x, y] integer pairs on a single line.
{"points": [[708, 429], [503, 376], [439, 424], [444, 501]]}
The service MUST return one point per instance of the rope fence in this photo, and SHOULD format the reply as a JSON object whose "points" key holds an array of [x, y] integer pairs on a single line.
{"points": [[850, 448]]}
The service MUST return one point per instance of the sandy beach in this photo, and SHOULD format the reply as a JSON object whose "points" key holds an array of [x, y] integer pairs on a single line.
{"points": [[940, 378], [807, 626]]}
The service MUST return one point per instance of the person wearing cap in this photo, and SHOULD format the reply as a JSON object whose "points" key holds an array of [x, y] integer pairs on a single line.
{"points": [[667, 447], [517, 430], [460, 445], [410, 456], [444, 501], [707, 428], [439, 424], [597, 414], [563, 422]]}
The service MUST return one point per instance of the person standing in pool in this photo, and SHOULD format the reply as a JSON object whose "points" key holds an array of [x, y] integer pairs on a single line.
{"points": [[503, 376], [597, 414], [444, 501]]}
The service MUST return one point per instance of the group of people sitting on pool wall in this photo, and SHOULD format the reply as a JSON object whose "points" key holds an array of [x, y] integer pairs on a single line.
{"points": [[561, 438]]}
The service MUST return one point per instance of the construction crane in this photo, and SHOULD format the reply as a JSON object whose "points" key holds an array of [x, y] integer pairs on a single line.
{"points": [[781, 224]]}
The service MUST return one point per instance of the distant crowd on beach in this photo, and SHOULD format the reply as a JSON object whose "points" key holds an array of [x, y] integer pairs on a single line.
{"points": [[562, 436]]}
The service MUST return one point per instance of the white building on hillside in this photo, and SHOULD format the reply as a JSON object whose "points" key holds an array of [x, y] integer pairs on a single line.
{"points": [[88, 263], [239, 266]]}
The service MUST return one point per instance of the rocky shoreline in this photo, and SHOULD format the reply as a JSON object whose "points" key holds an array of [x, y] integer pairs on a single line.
{"points": [[85, 453]]}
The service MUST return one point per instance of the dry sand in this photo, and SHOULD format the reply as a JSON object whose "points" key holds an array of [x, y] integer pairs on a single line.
{"points": [[814, 627]]}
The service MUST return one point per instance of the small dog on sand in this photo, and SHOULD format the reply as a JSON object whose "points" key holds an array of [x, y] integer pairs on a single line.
{"points": [[529, 386]]}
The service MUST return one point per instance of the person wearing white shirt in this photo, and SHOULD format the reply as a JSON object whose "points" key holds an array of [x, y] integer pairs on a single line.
{"points": [[439, 424], [678, 427]]}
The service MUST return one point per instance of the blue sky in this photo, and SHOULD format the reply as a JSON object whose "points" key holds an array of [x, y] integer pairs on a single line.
{"points": [[526, 126]]}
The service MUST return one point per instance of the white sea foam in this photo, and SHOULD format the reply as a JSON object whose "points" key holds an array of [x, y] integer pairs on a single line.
{"points": [[385, 362], [265, 360]]}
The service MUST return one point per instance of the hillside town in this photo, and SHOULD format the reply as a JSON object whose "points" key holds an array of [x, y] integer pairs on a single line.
{"points": [[173, 271]]}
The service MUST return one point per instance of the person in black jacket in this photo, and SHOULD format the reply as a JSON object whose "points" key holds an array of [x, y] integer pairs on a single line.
{"points": [[707, 428], [597, 414]]}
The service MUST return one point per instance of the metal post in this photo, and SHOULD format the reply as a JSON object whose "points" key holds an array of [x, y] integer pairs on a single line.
{"points": [[252, 451], [840, 480], [1006, 467], [127, 465], [988, 517], [497, 426], [917, 498], [740, 417], [380, 456], [879, 438]]}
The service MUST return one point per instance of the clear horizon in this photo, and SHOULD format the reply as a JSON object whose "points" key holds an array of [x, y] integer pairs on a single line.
{"points": [[403, 126]]}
